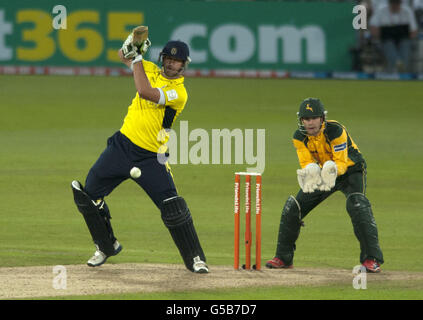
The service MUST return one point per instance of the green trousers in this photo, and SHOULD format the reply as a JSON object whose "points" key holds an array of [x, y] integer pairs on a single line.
{"points": [[353, 185]]}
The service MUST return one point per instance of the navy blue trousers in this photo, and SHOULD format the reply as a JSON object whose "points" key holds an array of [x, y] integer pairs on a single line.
{"points": [[116, 161]]}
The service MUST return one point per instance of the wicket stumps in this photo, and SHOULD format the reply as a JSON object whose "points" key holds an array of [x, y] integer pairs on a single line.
{"points": [[248, 233]]}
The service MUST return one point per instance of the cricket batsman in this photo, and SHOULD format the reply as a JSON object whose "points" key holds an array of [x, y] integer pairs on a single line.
{"points": [[133, 153], [330, 161]]}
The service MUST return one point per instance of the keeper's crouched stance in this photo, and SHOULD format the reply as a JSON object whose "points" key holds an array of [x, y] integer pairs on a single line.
{"points": [[330, 162], [134, 152]]}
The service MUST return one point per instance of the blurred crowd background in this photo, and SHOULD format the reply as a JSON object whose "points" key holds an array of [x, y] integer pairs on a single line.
{"points": [[393, 40]]}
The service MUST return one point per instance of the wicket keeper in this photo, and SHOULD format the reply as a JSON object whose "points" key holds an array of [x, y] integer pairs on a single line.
{"points": [[330, 161], [133, 153]]}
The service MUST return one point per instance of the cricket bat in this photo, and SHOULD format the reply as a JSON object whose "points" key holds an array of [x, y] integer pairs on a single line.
{"points": [[139, 35]]}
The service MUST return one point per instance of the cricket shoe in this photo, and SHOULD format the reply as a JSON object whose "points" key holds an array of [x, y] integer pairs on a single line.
{"points": [[371, 265], [277, 263], [199, 266], [99, 257]]}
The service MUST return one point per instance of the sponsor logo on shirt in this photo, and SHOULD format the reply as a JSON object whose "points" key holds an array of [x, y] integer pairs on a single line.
{"points": [[340, 147], [171, 95]]}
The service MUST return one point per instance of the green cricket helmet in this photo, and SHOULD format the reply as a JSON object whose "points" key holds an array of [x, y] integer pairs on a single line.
{"points": [[310, 108]]}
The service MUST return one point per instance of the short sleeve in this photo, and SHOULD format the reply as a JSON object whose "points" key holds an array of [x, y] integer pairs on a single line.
{"points": [[175, 97]]}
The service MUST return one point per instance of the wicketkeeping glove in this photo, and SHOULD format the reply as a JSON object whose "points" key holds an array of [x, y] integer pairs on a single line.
{"points": [[309, 178], [328, 174]]}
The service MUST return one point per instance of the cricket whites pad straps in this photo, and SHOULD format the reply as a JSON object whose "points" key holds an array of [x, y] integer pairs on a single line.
{"points": [[97, 219], [177, 218], [364, 224]]}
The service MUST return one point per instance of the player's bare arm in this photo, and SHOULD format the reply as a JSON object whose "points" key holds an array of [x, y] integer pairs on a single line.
{"points": [[127, 62], [142, 84], [131, 54]]}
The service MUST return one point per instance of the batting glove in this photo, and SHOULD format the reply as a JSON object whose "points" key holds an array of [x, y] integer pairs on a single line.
{"points": [[128, 49], [144, 47]]}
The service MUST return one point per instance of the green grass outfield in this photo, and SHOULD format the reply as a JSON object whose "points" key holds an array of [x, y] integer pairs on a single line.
{"points": [[406, 290], [52, 129]]}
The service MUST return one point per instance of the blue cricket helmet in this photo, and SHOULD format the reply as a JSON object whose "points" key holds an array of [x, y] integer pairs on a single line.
{"points": [[176, 49]]}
